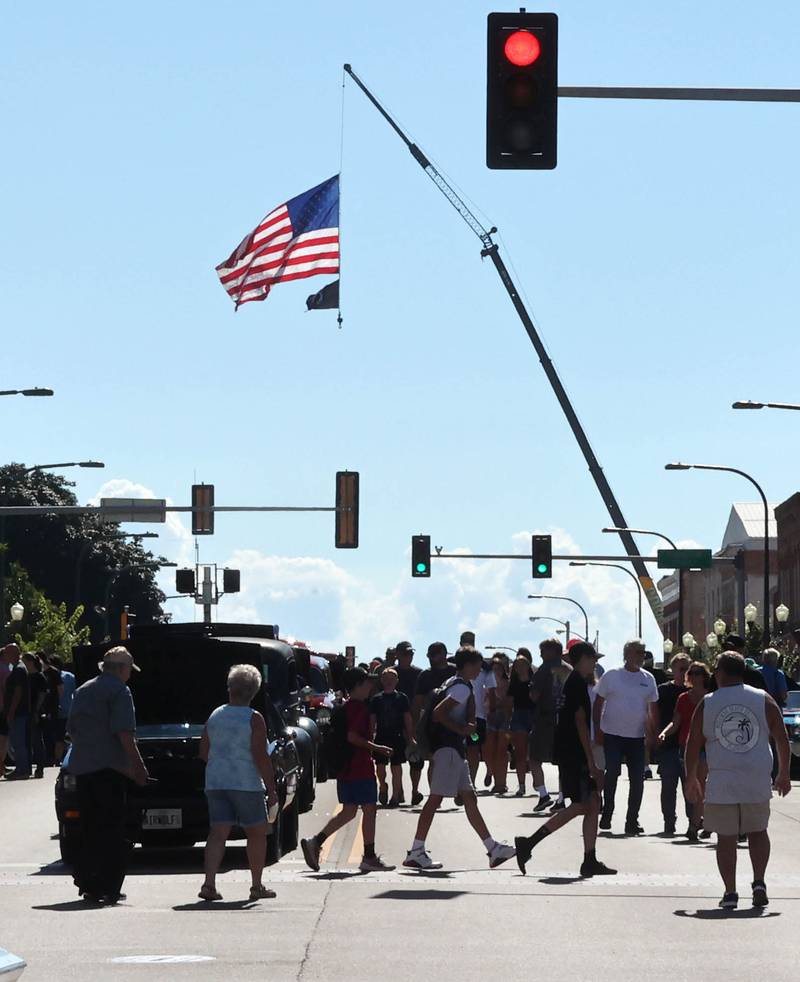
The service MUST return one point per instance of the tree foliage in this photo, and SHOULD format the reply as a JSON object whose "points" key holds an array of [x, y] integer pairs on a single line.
{"points": [[72, 560]]}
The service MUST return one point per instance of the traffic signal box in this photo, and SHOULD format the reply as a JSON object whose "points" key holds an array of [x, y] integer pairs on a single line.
{"points": [[421, 555], [522, 91], [347, 510], [542, 553], [202, 509]]}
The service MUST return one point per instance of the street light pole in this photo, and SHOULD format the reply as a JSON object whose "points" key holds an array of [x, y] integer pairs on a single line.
{"points": [[734, 470], [564, 624], [545, 596], [624, 570], [666, 538], [765, 405]]}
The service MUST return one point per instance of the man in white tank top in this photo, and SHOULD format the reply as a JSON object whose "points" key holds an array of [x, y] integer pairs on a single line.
{"points": [[733, 727]]}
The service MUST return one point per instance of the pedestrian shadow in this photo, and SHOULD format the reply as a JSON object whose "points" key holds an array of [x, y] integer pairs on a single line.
{"points": [[720, 914], [616, 835], [205, 905], [559, 881], [420, 895], [341, 874], [429, 874], [69, 905], [534, 815]]}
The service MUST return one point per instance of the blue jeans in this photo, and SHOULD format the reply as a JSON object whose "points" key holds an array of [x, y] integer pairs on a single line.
{"points": [[670, 767], [19, 737], [632, 749]]}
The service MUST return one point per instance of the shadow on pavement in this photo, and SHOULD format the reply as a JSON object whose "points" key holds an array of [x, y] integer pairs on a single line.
{"points": [[718, 914], [556, 881], [337, 875], [206, 905], [69, 905], [433, 874], [160, 862], [420, 895]]}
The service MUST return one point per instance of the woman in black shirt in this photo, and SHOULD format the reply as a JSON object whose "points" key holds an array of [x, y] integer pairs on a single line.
{"points": [[519, 689]]}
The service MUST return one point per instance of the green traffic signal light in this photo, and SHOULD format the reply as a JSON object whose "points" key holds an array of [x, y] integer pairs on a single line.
{"points": [[542, 568], [421, 567], [542, 556], [421, 555]]}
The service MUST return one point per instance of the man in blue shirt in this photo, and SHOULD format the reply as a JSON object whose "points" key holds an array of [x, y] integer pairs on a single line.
{"points": [[103, 757], [774, 679]]}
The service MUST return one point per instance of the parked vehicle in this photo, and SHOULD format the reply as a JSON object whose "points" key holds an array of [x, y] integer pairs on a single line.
{"points": [[183, 678], [318, 696], [791, 719]]}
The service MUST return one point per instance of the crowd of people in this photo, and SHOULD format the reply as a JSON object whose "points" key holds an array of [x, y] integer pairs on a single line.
{"points": [[719, 735], [35, 698]]}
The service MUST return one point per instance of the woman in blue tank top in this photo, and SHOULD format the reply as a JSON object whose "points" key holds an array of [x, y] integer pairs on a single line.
{"points": [[238, 768]]}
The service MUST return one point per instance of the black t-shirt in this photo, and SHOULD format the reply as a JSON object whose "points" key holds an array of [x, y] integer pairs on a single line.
{"points": [[408, 680], [569, 749], [389, 708], [668, 695], [520, 692], [658, 674], [432, 678], [753, 677], [18, 679]]}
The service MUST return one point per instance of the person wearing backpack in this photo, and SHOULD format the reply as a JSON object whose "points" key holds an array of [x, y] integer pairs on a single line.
{"points": [[351, 751], [445, 723]]}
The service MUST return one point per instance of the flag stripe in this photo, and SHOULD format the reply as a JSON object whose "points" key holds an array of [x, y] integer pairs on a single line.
{"points": [[273, 257], [327, 262], [260, 294]]}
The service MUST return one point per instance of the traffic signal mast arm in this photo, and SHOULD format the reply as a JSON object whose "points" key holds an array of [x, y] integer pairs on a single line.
{"points": [[491, 250]]}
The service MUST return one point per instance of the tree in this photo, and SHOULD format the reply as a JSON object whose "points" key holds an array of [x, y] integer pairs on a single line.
{"points": [[72, 559]]}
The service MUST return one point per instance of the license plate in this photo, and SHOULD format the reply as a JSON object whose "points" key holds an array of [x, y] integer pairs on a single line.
{"points": [[163, 818]]}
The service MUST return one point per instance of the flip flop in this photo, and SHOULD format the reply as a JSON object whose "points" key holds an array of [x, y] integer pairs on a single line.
{"points": [[209, 893]]}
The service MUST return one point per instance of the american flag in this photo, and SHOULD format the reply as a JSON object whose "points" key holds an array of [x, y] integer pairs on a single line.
{"points": [[298, 239]]}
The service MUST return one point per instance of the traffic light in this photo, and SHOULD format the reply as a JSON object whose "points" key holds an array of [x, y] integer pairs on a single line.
{"points": [[231, 581], [347, 510], [542, 552], [421, 555], [184, 580], [126, 619], [522, 91], [202, 509]]}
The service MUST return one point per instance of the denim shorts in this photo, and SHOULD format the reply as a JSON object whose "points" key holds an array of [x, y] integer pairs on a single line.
{"points": [[361, 792], [244, 808], [522, 721]]}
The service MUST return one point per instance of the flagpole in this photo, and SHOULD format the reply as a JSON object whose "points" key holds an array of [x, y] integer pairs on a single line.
{"points": [[491, 250]]}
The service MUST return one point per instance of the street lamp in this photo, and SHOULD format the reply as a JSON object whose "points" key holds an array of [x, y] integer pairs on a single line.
{"points": [[17, 611], [666, 538], [712, 641], [720, 627], [765, 405], [781, 613], [27, 392], [70, 463], [688, 641], [668, 647], [750, 614], [544, 617], [488, 647], [547, 596], [757, 486], [633, 576]]}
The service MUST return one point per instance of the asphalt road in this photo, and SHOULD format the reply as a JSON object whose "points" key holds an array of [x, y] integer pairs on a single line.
{"points": [[658, 917]]}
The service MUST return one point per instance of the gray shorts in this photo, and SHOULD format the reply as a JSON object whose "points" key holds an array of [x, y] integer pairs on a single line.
{"points": [[736, 819], [450, 774]]}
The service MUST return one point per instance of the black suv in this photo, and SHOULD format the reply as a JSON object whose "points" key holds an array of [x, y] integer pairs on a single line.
{"points": [[183, 677]]}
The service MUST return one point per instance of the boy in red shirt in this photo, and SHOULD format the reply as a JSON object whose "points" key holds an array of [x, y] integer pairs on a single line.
{"points": [[356, 785]]}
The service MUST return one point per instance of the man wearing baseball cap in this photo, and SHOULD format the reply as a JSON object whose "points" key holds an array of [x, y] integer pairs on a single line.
{"points": [[429, 679], [104, 756]]}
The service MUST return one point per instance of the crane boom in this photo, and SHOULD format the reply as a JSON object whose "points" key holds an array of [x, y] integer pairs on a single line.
{"points": [[491, 250]]}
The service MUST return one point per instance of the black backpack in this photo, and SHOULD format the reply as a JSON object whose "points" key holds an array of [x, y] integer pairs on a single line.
{"points": [[338, 749], [431, 736]]}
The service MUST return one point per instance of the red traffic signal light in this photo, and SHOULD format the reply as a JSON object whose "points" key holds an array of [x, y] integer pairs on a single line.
{"points": [[521, 91], [522, 48]]}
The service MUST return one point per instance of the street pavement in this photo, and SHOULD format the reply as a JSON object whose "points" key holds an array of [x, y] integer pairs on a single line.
{"points": [[658, 917]]}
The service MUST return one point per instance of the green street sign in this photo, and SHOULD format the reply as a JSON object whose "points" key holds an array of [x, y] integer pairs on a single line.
{"points": [[684, 559]]}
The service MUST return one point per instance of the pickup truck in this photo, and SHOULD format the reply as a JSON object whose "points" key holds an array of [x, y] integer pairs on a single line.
{"points": [[182, 679]]}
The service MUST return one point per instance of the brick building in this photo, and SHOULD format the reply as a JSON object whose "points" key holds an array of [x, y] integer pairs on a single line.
{"points": [[787, 515]]}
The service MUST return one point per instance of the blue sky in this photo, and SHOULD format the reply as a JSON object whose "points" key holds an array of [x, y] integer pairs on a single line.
{"points": [[660, 259]]}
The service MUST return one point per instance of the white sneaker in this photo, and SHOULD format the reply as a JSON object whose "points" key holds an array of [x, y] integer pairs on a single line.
{"points": [[420, 859], [501, 852]]}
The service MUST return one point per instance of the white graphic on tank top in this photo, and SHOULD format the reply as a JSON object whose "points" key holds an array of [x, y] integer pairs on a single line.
{"points": [[737, 728]]}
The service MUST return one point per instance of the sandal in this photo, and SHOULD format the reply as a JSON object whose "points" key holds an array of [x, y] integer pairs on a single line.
{"points": [[262, 893], [208, 893]]}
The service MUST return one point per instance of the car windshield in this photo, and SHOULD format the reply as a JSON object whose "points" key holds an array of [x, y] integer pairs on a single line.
{"points": [[793, 701]]}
